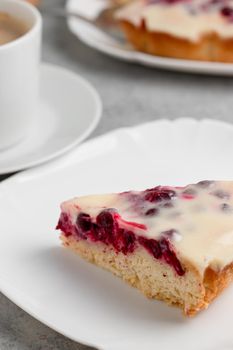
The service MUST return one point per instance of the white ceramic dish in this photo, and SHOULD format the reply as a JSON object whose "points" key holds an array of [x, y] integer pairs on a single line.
{"points": [[69, 110], [79, 300], [106, 44]]}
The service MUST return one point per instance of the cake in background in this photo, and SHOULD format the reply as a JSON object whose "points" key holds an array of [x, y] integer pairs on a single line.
{"points": [[34, 2], [194, 29]]}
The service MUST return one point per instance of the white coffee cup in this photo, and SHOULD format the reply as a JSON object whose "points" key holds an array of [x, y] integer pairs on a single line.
{"points": [[19, 74]]}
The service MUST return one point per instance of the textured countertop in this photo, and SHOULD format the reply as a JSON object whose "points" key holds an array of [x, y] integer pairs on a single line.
{"points": [[131, 94]]}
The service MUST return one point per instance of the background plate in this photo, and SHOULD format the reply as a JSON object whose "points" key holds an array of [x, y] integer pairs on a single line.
{"points": [[79, 300], [106, 44]]}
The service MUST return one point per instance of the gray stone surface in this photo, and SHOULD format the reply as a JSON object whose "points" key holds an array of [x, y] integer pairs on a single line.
{"points": [[131, 95]]}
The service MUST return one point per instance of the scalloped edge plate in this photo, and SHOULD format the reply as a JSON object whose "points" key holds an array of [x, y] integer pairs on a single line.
{"points": [[77, 299]]}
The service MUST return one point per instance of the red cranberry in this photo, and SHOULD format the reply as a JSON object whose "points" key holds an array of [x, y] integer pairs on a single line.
{"points": [[103, 229], [130, 239], [84, 222], [227, 11], [188, 196], [151, 245], [98, 234], [158, 194], [105, 220], [170, 256], [124, 241], [65, 225]]}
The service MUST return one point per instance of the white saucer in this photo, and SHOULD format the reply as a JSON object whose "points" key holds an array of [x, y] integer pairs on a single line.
{"points": [[69, 110]]}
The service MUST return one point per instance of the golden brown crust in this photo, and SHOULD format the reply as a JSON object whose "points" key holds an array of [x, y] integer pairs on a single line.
{"points": [[209, 48], [216, 282]]}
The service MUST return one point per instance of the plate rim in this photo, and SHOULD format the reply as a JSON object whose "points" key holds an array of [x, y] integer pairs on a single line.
{"points": [[92, 126], [35, 171], [26, 175], [165, 63]]}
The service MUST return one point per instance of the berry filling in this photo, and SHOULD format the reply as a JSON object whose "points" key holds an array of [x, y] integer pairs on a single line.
{"points": [[65, 225], [108, 229]]}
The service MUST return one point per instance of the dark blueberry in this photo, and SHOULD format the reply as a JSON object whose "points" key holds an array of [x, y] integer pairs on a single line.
{"points": [[205, 183], [84, 222], [152, 212]]}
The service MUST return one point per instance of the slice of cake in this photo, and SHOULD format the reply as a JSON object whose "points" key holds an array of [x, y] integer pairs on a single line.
{"points": [[173, 243], [189, 29]]}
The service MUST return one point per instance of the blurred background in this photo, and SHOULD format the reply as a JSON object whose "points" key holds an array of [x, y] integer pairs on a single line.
{"points": [[132, 93]]}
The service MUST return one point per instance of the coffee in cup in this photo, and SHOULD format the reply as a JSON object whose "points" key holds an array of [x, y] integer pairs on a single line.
{"points": [[11, 28], [20, 36]]}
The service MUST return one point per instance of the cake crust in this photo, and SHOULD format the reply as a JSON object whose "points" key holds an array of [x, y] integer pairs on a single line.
{"points": [[192, 293], [210, 47]]}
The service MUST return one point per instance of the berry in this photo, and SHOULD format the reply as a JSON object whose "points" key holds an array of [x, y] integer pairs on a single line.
{"points": [[151, 245], [107, 230], [170, 256], [105, 220], [227, 11], [84, 222], [158, 194]]}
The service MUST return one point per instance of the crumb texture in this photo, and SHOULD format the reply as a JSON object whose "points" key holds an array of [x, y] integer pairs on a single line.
{"points": [[153, 278]]}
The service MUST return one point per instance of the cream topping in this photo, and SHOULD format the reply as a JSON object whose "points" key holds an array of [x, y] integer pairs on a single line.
{"points": [[185, 19], [201, 217]]}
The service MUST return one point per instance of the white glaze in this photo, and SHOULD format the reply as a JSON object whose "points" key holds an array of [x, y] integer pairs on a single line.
{"points": [[177, 20], [204, 231]]}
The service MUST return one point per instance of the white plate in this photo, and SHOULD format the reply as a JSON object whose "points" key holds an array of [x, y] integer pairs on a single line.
{"points": [[69, 110], [106, 44], [79, 300]]}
